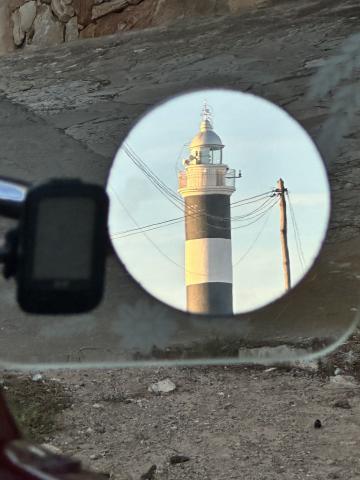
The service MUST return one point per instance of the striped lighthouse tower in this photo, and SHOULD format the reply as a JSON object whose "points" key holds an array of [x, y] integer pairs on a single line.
{"points": [[206, 184]]}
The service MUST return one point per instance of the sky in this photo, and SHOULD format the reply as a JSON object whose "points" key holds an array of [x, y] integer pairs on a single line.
{"points": [[262, 141]]}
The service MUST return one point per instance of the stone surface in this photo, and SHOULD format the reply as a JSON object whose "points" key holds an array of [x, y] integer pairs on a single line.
{"points": [[18, 33], [84, 98], [47, 30], [62, 9], [27, 15], [71, 30], [164, 386], [108, 7], [236, 6], [344, 381], [15, 4], [345, 404], [6, 37], [89, 31], [83, 9], [112, 23]]}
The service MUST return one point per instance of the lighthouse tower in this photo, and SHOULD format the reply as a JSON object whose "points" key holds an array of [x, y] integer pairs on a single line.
{"points": [[206, 184]]}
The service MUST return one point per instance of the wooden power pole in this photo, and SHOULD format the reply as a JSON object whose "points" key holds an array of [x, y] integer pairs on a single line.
{"points": [[283, 234]]}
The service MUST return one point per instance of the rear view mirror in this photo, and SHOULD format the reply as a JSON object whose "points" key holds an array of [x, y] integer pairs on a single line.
{"points": [[228, 247], [218, 207]]}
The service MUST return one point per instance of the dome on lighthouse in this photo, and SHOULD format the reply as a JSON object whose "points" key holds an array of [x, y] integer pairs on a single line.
{"points": [[206, 137]]}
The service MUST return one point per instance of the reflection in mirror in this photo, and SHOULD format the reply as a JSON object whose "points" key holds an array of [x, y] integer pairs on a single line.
{"points": [[219, 202], [11, 191], [12, 196]]}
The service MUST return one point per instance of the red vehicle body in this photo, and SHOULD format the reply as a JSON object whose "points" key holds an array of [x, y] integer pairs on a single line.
{"points": [[22, 460]]}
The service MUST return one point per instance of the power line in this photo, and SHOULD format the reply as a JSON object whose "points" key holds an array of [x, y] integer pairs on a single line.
{"points": [[145, 235], [176, 201], [158, 249], [254, 196], [170, 194], [252, 245], [161, 186], [259, 208], [140, 230], [260, 216], [176, 220], [296, 234]]}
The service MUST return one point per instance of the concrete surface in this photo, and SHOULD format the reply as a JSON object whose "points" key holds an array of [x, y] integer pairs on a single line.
{"points": [[65, 111]]}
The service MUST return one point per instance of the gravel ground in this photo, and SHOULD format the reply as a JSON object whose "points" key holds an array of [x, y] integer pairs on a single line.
{"points": [[228, 422]]}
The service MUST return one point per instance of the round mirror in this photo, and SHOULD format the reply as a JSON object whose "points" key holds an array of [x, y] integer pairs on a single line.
{"points": [[219, 202]]}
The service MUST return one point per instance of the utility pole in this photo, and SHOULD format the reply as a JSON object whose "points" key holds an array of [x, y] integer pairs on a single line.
{"points": [[281, 190]]}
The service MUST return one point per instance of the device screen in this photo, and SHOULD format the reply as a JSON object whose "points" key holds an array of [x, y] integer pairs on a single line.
{"points": [[64, 239]]}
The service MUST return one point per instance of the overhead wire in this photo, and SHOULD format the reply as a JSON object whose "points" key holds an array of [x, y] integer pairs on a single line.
{"points": [[297, 236], [253, 243], [254, 216], [171, 195], [165, 223], [158, 249], [161, 252], [260, 216]]}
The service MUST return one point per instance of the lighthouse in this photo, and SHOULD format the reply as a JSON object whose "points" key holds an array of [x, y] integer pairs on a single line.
{"points": [[206, 184]]}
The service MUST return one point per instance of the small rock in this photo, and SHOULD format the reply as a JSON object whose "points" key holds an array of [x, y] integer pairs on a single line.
{"points": [[100, 429], [178, 459], [98, 406], [94, 456], [317, 424], [338, 371], [18, 33], [345, 381], [52, 449], [271, 369], [71, 30], [62, 9], [342, 404], [108, 7], [37, 377], [164, 386], [47, 31], [27, 14], [150, 474], [311, 366]]}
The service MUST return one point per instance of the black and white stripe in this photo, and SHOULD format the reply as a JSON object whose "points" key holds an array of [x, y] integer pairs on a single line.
{"points": [[208, 254]]}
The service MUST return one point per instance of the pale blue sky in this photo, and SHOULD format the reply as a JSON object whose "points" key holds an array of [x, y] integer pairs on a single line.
{"points": [[261, 140]]}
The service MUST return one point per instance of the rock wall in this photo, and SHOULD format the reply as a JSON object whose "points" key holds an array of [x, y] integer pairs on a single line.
{"points": [[27, 24]]}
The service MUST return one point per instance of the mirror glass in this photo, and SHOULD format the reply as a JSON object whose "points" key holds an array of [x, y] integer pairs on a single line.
{"points": [[11, 191], [219, 202]]}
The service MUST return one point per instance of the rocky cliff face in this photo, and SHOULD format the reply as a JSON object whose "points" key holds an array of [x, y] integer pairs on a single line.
{"points": [[27, 24]]}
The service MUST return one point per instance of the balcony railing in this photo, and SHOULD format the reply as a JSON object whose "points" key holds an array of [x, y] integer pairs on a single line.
{"points": [[207, 178]]}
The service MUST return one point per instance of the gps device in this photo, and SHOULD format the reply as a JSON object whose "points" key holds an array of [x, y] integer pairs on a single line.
{"points": [[62, 247]]}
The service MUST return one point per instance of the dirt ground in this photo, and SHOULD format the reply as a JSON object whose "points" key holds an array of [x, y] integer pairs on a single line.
{"points": [[250, 422]]}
